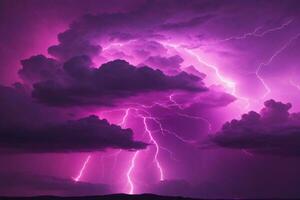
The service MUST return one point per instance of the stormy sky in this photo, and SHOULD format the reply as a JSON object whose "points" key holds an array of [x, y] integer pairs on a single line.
{"points": [[196, 98]]}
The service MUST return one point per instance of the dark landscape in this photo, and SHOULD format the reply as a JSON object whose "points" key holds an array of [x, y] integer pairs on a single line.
{"points": [[104, 197]]}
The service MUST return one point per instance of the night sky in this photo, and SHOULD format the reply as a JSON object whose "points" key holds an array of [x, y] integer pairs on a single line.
{"points": [[195, 98]]}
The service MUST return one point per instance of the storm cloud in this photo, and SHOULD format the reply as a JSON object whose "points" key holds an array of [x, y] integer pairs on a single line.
{"points": [[116, 79], [272, 131], [24, 129]]}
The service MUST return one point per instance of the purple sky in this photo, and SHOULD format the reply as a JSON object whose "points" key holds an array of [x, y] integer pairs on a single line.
{"points": [[191, 98]]}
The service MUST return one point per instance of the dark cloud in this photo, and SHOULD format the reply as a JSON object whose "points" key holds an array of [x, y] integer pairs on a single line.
{"points": [[272, 131], [147, 48], [192, 70], [79, 38], [187, 24], [32, 184], [78, 67], [86, 134], [73, 46], [111, 81], [17, 108], [166, 64], [210, 99], [84, 35], [27, 127], [121, 36], [38, 68]]}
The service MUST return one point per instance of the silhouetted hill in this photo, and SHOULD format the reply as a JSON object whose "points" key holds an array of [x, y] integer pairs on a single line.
{"points": [[104, 197]]}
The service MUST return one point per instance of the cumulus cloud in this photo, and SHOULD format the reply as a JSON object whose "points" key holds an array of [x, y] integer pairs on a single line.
{"points": [[84, 35], [27, 127], [272, 131], [38, 68], [113, 80], [70, 47]]}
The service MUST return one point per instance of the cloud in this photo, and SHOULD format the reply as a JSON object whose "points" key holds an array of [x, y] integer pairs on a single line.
{"points": [[197, 101], [70, 47], [187, 24], [272, 131], [113, 80], [38, 68], [27, 127], [86, 33], [32, 184], [168, 65], [83, 135], [121, 36], [192, 70]]}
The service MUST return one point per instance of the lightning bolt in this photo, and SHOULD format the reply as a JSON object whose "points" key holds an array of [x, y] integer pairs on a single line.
{"points": [[170, 153], [231, 85], [247, 152], [146, 117], [81, 171], [276, 53], [129, 179], [78, 177], [157, 149], [256, 33], [133, 160], [294, 84]]}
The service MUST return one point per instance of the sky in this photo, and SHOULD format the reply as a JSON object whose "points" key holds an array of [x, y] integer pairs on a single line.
{"points": [[191, 98]]}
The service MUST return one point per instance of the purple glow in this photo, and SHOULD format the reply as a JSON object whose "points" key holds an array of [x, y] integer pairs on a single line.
{"points": [[196, 98]]}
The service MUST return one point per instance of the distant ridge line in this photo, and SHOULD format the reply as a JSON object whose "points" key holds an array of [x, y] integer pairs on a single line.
{"points": [[103, 197]]}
